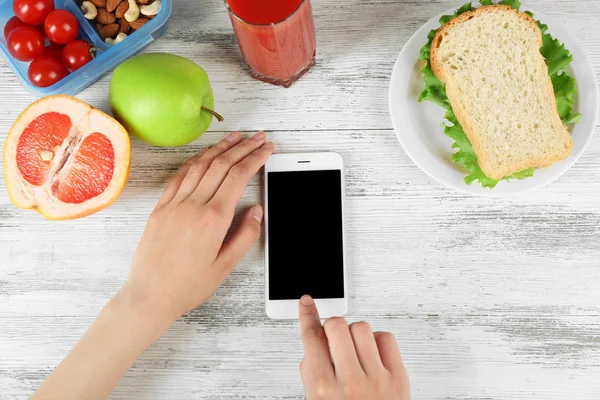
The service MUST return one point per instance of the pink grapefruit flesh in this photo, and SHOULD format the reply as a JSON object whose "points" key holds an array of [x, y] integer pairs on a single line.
{"points": [[90, 172], [65, 159], [41, 136]]}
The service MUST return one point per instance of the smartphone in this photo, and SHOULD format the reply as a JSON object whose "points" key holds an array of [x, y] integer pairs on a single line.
{"points": [[305, 250]]}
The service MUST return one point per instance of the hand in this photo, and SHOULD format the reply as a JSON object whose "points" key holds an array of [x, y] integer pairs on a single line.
{"points": [[344, 362], [180, 262], [181, 259]]}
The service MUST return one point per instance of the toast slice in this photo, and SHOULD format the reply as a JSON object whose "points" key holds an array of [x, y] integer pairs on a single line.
{"points": [[500, 90]]}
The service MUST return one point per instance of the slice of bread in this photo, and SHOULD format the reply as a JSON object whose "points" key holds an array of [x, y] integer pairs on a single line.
{"points": [[500, 90]]}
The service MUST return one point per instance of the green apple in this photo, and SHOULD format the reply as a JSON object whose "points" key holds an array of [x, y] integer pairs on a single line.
{"points": [[163, 99]]}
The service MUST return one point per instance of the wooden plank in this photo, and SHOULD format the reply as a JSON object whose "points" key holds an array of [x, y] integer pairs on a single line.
{"points": [[358, 42], [474, 288], [489, 298]]}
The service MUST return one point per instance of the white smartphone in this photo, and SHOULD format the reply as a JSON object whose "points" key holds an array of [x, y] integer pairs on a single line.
{"points": [[305, 250]]}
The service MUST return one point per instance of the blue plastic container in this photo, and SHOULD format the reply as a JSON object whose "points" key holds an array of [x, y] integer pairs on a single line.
{"points": [[108, 56]]}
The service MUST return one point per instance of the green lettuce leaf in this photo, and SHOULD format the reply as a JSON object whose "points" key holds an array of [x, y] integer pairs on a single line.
{"points": [[557, 58], [565, 89], [516, 4]]}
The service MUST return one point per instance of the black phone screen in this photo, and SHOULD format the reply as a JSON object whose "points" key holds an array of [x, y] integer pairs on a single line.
{"points": [[306, 242]]}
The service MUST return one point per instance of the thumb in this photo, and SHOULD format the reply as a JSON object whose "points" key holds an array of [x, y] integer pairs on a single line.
{"points": [[242, 241]]}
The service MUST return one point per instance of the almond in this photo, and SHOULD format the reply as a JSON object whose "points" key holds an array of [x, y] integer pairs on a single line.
{"points": [[111, 5], [109, 31], [122, 9], [124, 26], [99, 3], [137, 24], [104, 17], [144, 2]]}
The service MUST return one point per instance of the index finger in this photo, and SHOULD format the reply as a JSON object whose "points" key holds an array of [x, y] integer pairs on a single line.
{"points": [[317, 360]]}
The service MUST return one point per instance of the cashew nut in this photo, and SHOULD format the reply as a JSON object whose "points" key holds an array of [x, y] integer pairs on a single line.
{"points": [[152, 8], [89, 10], [120, 37], [133, 13]]}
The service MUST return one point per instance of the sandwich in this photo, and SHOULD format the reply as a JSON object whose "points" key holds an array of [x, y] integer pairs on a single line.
{"points": [[501, 77]]}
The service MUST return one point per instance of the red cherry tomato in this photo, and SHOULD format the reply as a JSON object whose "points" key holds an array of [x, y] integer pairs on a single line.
{"points": [[54, 51], [77, 53], [40, 29], [25, 43], [15, 22], [45, 71], [61, 26], [33, 12], [11, 24]]}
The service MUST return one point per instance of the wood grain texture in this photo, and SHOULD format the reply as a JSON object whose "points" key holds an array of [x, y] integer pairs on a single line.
{"points": [[489, 299]]}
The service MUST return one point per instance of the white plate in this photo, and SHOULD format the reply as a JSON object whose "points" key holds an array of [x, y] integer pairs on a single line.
{"points": [[418, 125]]}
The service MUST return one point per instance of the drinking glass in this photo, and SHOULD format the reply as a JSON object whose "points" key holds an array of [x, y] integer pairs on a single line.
{"points": [[276, 37]]}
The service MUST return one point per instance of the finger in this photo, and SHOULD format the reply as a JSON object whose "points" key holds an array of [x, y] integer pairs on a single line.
{"points": [[342, 348], [389, 352], [317, 364], [175, 182], [237, 179], [218, 170], [242, 241], [366, 348], [201, 165]]}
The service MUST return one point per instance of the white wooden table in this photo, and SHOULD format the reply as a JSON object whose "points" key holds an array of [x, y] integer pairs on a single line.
{"points": [[489, 299]]}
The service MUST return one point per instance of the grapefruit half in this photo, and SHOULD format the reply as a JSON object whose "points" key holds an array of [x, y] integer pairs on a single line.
{"points": [[65, 159]]}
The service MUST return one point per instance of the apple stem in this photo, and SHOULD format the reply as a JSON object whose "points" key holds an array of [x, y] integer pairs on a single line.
{"points": [[214, 113]]}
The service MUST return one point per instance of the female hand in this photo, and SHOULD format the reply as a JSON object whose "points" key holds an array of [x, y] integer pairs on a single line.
{"points": [[181, 259], [344, 362]]}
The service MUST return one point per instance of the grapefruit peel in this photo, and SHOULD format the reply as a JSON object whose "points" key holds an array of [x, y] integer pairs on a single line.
{"points": [[65, 159]]}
